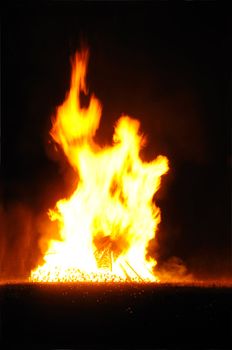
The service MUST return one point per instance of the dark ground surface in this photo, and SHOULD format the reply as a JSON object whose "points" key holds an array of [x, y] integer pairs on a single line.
{"points": [[115, 316]]}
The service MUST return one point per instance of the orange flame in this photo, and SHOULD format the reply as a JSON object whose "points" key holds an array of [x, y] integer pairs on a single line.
{"points": [[110, 218]]}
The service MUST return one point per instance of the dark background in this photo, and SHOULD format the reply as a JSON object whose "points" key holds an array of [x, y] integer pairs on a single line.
{"points": [[167, 65]]}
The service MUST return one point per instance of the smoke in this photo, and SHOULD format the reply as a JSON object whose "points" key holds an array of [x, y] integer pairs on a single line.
{"points": [[18, 248], [24, 238], [173, 270]]}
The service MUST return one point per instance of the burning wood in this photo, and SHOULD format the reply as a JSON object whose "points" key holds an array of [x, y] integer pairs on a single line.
{"points": [[108, 221]]}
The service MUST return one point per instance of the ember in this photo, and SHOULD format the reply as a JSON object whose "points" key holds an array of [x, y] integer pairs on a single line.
{"points": [[107, 223]]}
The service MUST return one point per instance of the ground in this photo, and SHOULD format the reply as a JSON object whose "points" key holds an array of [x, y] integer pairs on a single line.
{"points": [[115, 316]]}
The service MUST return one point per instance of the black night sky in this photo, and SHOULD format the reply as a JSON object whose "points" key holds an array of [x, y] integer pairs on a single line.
{"points": [[168, 66]]}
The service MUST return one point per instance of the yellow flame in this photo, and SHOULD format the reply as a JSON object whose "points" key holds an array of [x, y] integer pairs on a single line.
{"points": [[110, 218]]}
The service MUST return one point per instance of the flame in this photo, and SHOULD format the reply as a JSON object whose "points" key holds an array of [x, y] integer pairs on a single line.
{"points": [[108, 221]]}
